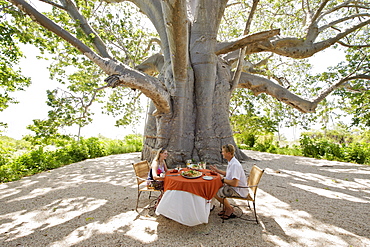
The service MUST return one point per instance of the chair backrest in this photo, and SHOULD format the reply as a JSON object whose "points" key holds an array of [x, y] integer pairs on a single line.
{"points": [[141, 170], [254, 178]]}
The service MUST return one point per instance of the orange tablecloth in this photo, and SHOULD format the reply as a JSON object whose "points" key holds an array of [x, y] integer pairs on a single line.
{"points": [[198, 186]]}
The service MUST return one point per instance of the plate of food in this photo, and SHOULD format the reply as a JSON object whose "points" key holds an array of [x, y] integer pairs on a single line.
{"points": [[191, 174], [194, 166]]}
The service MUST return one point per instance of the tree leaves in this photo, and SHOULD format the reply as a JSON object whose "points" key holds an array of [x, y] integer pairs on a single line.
{"points": [[11, 78]]}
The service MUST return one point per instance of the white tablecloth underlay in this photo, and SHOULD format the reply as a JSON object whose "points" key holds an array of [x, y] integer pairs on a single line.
{"points": [[184, 207]]}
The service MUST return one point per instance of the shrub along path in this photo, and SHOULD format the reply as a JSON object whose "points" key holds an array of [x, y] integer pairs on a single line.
{"points": [[301, 202]]}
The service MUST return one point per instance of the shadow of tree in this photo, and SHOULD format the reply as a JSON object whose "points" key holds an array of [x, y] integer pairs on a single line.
{"points": [[317, 197]]}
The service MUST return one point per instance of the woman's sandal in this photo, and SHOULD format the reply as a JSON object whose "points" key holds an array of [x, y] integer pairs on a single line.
{"points": [[226, 217], [221, 213]]}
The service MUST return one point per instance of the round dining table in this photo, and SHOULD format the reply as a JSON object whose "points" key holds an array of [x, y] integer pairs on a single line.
{"points": [[188, 200]]}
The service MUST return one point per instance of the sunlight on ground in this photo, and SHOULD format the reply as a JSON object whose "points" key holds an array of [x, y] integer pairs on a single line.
{"points": [[33, 194], [302, 223], [54, 214], [327, 181], [330, 194], [144, 230]]}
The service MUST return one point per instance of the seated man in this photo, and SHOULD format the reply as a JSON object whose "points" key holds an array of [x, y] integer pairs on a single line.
{"points": [[233, 176]]}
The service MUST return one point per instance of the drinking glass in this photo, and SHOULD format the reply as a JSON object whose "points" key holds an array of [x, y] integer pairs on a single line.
{"points": [[188, 162], [202, 164]]}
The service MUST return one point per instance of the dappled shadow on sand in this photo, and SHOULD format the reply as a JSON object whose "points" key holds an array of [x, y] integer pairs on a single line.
{"points": [[302, 202], [318, 201]]}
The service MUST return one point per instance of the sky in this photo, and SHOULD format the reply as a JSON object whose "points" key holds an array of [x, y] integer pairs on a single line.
{"points": [[32, 102]]}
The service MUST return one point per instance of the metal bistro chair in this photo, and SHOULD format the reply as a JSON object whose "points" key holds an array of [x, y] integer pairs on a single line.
{"points": [[141, 171], [252, 185]]}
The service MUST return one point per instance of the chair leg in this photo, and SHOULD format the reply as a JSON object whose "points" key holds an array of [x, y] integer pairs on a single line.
{"points": [[137, 200], [223, 208], [255, 213], [158, 199]]}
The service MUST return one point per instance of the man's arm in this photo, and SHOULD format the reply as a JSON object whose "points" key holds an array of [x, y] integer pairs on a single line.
{"points": [[233, 182], [215, 169]]}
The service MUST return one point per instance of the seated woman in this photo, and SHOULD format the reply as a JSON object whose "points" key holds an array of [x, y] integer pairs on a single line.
{"points": [[158, 167]]}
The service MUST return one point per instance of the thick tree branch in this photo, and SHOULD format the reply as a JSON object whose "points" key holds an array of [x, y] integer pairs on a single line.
{"points": [[331, 24], [351, 46], [151, 41], [260, 85], [297, 48], [50, 25], [149, 86], [175, 16], [339, 84], [75, 14], [226, 47], [325, 44], [318, 12], [240, 64], [153, 10], [314, 30], [53, 4], [152, 65], [122, 74], [347, 4]]}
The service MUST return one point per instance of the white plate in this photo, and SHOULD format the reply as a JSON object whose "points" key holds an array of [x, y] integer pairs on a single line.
{"points": [[207, 178], [197, 176]]}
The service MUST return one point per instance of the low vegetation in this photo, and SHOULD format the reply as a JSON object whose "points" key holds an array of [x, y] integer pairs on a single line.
{"points": [[331, 145], [20, 158]]}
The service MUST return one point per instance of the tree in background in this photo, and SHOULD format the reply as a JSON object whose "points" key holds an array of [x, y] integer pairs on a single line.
{"points": [[191, 80], [11, 79]]}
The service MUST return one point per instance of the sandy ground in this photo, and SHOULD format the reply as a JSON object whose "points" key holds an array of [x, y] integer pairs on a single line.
{"points": [[300, 202]]}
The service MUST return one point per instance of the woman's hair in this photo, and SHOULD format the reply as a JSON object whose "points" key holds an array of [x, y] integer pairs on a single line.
{"points": [[161, 150], [229, 148]]}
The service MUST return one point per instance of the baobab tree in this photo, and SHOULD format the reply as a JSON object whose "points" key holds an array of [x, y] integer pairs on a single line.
{"points": [[196, 74]]}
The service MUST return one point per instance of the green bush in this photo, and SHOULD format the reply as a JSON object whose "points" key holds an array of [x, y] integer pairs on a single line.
{"points": [[96, 148], [3, 157], [294, 150], [316, 146], [36, 159], [308, 147], [115, 147], [247, 138], [320, 148], [14, 166], [359, 153], [76, 151], [133, 139], [265, 144]]}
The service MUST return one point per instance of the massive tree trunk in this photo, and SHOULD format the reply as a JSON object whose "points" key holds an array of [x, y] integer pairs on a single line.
{"points": [[199, 126], [198, 123]]}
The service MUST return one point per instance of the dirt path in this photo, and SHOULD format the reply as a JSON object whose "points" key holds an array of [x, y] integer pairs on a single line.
{"points": [[301, 202]]}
